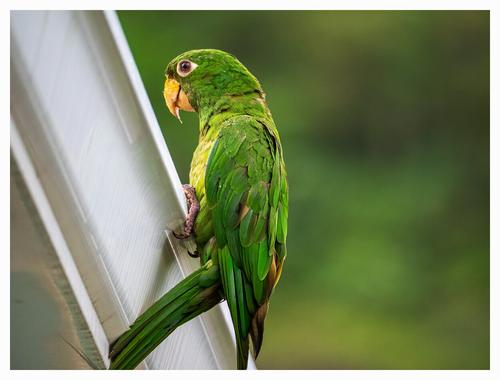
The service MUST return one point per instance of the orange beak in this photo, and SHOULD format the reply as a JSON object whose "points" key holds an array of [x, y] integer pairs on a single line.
{"points": [[176, 98]]}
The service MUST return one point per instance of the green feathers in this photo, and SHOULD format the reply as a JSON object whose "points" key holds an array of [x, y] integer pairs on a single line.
{"points": [[195, 294], [244, 188]]}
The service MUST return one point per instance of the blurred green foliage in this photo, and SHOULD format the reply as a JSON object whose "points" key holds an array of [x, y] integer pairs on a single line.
{"points": [[384, 118]]}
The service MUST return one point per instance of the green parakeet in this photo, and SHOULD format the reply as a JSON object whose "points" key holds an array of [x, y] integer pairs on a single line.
{"points": [[240, 223]]}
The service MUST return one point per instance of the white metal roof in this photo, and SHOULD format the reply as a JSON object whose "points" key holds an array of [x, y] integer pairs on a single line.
{"points": [[87, 142]]}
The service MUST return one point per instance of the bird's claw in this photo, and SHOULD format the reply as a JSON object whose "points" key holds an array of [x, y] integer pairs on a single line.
{"points": [[181, 236], [193, 209], [194, 254]]}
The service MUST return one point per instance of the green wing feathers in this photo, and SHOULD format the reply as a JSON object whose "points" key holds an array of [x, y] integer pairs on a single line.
{"points": [[194, 295], [247, 192]]}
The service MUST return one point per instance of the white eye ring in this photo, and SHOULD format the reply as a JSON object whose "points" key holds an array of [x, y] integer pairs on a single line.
{"points": [[185, 67]]}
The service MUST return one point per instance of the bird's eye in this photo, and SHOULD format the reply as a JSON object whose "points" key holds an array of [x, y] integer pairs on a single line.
{"points": [[184, 67]]}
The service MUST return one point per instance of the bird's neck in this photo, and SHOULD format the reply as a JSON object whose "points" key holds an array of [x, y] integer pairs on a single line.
{"points": [[252, 104]]}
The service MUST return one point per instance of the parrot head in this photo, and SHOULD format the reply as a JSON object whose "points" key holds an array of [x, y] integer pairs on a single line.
{"points": [[197, 79]]}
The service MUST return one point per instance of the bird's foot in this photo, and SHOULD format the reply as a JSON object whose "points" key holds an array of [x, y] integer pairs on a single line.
{"points": [[193, 209]]}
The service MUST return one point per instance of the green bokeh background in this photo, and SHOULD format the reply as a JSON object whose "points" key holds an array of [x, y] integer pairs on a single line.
{"points": [[384, 119]]}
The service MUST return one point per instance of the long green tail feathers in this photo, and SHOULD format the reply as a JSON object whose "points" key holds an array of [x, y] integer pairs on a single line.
{"points": [[194, 295]]}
